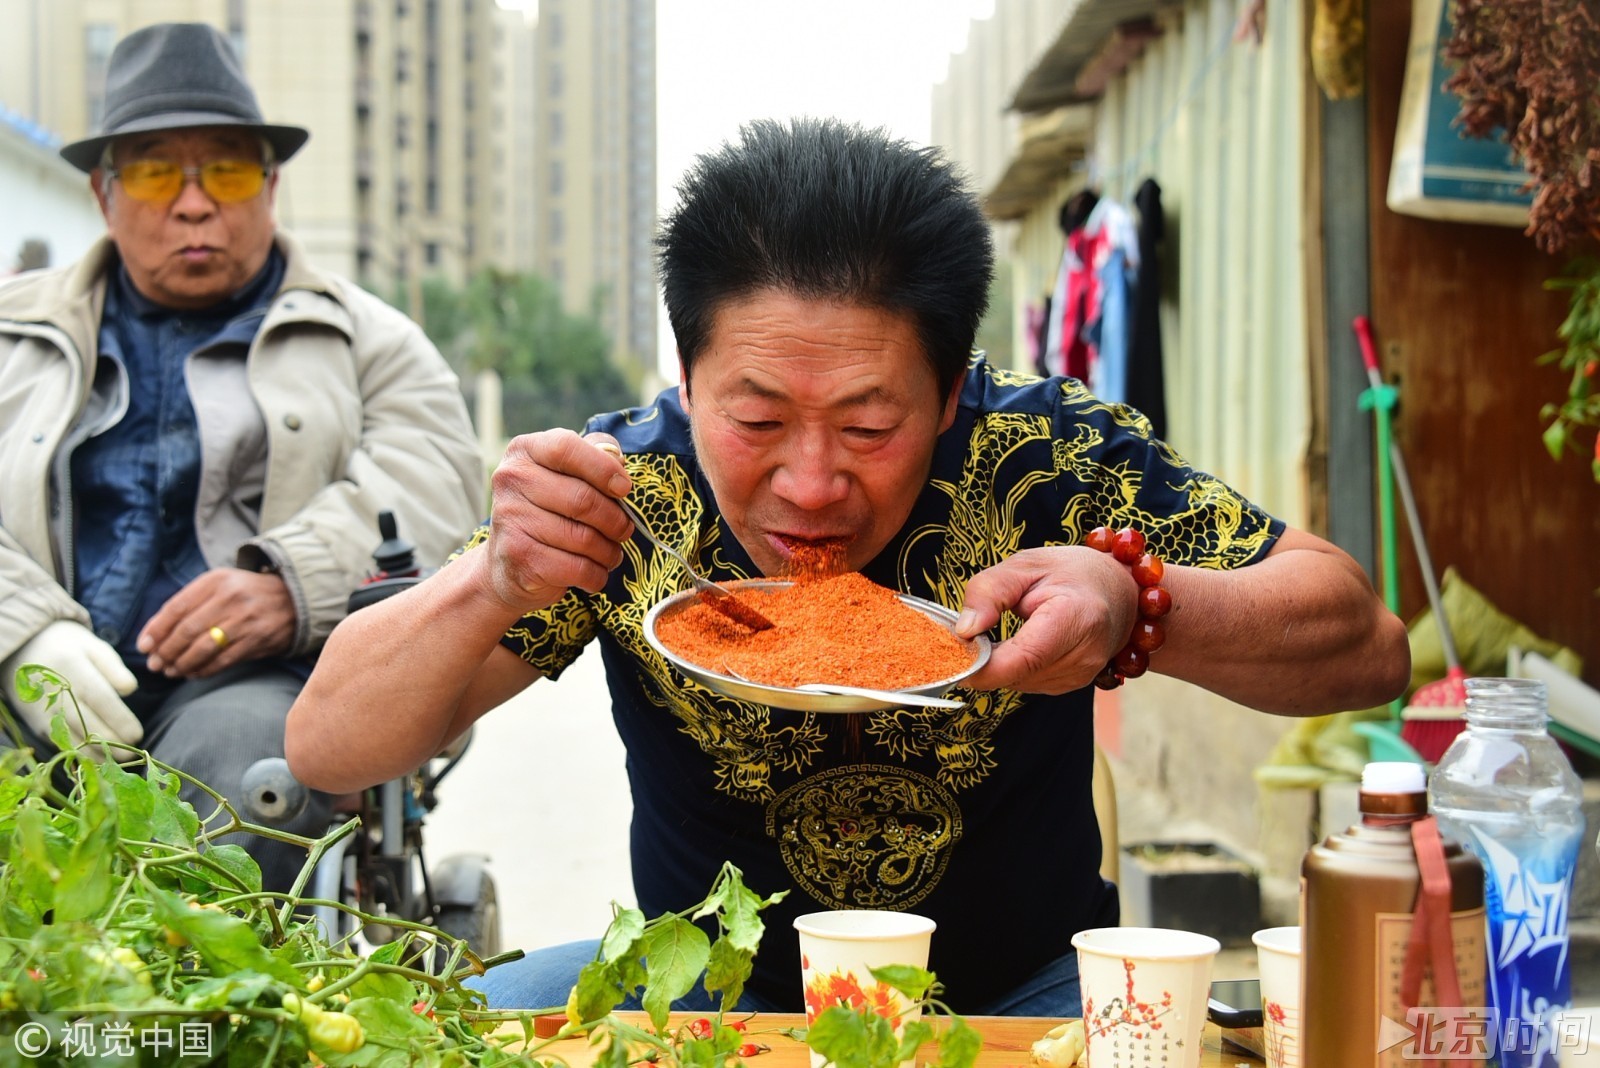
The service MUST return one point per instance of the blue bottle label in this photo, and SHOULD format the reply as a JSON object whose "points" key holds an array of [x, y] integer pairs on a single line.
{"points": [[1528, 889]]}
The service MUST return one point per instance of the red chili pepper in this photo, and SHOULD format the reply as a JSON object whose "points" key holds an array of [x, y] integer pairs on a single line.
{"points": [[421, 1009], [738, 1025], [750, 1049], [701, 1028]]}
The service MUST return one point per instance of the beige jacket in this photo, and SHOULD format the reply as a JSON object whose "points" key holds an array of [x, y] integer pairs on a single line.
{"points": [[342, 408]]}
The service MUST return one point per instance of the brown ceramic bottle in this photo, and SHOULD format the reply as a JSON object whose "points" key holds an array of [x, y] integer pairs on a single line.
{"points": [[1358, 892]]}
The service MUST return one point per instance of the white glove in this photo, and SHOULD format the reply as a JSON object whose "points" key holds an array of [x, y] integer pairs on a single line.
{"points": [[99, 681]]}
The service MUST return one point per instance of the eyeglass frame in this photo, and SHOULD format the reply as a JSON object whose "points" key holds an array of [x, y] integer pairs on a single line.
{"points": [[197, 173], [109, 172]]}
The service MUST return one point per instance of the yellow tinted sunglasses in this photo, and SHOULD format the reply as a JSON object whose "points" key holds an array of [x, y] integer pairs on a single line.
{"points": [[227, 181]]}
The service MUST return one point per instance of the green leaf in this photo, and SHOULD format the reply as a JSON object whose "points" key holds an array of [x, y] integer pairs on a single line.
{"points": [[37, 851], [741, 916], [172, 820], [727, 970], [613, 1055], [383, 985], [134, 799], [239, 989], [675, 953], [852, 1039], [959, 1045], [224, 941], [392, 1031], [911, 981], [250, 1042], [239, 864], [1555, 439], [913, 1033], [60, 736], [621, 938], [598, 991], [29, 682], [388, 953], [87, 881]]}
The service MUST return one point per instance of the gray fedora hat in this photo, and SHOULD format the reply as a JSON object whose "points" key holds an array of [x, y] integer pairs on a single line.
{"points": [[173, 75]]}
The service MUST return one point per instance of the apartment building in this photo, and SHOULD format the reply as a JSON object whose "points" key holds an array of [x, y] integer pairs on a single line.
{"points": [[447, 135], [594, 177]]}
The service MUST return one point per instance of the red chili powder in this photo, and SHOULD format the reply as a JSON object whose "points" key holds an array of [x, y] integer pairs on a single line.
{"points": [[842, 629]]}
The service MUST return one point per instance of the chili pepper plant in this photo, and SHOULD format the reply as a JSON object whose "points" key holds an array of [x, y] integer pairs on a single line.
{"points": [[119, 906]]}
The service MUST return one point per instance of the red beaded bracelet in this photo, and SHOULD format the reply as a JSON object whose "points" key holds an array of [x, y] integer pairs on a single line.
{"points": [[1127, 546]]}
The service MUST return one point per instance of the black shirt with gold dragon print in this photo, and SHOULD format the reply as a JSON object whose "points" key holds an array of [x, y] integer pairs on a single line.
{"points": [[980, 819]]}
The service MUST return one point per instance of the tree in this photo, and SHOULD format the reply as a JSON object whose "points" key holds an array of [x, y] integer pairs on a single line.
{"points": [[556, 366]]}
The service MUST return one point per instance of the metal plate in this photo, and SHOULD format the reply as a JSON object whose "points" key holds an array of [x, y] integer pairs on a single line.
{"points": [[801, 700]]}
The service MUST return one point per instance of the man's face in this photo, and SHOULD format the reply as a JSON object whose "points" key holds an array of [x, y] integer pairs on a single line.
{"points": [[191, 251], [814, 421]]}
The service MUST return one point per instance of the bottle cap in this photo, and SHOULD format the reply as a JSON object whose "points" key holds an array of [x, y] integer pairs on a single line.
{"points": [[1392, 777]]}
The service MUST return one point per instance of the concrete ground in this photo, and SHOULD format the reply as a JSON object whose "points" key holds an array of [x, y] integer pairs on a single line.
{"points": [[543, 792]]}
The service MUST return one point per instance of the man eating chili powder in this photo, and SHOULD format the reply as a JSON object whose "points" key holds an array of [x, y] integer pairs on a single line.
{"points": [[824, 284]]}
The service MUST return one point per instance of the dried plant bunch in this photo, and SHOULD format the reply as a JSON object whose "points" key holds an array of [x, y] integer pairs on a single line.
{"points": [[1531, 69]]}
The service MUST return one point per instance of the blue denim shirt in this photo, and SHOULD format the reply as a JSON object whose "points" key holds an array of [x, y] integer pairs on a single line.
{"points": [[134, 483]]}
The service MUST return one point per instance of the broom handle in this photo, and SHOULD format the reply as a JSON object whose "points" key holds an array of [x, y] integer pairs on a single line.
{"points": [[1408, 501]]}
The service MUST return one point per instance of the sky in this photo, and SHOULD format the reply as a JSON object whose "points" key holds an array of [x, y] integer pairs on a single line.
{"points": [[721, 63]]}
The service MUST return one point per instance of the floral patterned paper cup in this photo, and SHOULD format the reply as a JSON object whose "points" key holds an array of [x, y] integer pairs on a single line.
{"points": [[1144, 995], [1278, 955], [838, 951]]}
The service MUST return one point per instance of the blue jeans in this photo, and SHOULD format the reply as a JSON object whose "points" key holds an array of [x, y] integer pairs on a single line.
{"points": [[543, 978]]}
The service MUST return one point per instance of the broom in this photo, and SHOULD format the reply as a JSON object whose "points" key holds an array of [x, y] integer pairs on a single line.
{"points": [[1434, 717]]}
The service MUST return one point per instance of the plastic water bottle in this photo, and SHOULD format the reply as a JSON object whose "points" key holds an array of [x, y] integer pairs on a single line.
{"points": [[1505, 790]]}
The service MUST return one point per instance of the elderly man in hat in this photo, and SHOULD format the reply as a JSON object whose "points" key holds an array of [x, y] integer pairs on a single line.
{"points": [[198, 429]]}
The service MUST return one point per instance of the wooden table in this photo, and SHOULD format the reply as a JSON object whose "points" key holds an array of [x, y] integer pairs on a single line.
{"points": [[1006, 1041]]}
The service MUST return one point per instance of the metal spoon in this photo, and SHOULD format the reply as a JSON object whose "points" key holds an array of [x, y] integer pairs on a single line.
{"points": [[894, 697], [721, 598]]}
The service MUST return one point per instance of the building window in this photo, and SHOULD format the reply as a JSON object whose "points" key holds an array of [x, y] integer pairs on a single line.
{"points": [[402, 131], [430, 193], [557, 226], [469, 190], [555, 80], [402, 64], [236, 26], [402, 8], [430, 253], [558, 176], [554, 28], [558, 127]]}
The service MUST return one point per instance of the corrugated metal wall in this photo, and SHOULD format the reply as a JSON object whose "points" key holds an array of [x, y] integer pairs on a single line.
{"points": [[1221, 126]]}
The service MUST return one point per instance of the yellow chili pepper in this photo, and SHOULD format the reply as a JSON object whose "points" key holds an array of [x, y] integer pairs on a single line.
{"points": [[331, 1030]]}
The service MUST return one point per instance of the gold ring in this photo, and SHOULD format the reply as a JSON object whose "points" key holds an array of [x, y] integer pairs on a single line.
{"points": [[219, 636]]}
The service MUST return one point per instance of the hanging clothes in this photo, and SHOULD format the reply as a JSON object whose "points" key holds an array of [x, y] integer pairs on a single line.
{"points": [[1074, 211], [1038, 328], [1096, 306], [1147, 389]]}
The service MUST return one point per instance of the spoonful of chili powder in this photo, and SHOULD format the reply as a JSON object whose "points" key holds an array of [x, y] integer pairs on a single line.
{"points": [[718, 597]]}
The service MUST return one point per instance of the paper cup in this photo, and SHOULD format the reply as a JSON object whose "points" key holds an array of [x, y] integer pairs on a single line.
{"points": [[1144, 995], [1278, 956], [838, 951]]}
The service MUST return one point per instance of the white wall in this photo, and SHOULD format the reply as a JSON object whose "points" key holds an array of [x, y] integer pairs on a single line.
{"points": [[42, 197]]}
